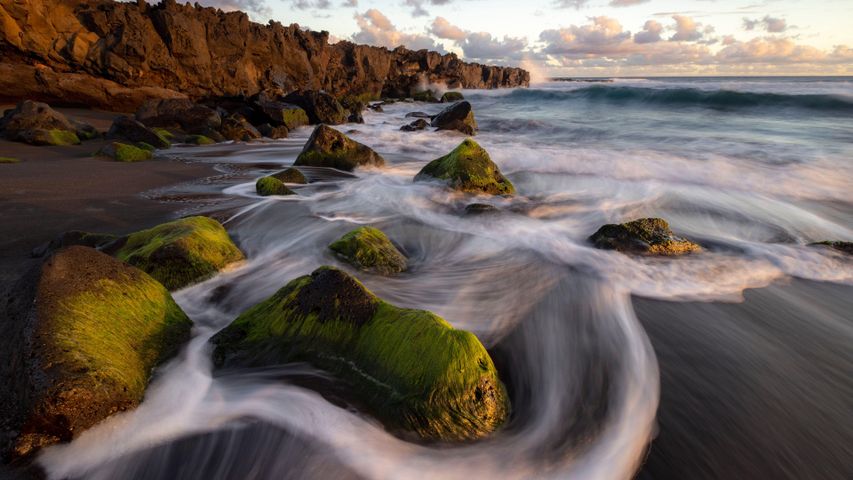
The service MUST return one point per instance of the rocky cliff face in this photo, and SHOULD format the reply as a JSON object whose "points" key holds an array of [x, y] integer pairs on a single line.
{"points": [[115, 55]]}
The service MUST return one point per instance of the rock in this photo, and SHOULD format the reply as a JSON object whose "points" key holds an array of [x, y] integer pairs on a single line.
{"points": [[419, 115], [84, 337], [123, 152], [269, 131], [410, 367], [468, 168], [320, 106], [179, 253], [180, 113], [649, 236], [9, 160], [449, 97], [480, 209], [459, 116], [376, 108], [328, 147], [236, 128], [281, 113], [369, 249], [38, 124], [266, 186], [199, 140], [355, 117], [74, 237], [126, 128], [844, 247], [419, 124], [291, 175], [425, 96]]}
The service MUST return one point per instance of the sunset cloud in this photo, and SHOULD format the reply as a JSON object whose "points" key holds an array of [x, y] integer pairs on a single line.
{"points": [[376, 29], [770, 24]]}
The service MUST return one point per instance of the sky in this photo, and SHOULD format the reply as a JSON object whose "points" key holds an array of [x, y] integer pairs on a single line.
{"points": [[593, 37]]}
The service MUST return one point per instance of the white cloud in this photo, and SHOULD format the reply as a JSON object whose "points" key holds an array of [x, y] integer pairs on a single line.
{"points": [[768, 23], [376, 29], [650, 33], [442, 28], [482, 46], [686, 29], [626, 3]]}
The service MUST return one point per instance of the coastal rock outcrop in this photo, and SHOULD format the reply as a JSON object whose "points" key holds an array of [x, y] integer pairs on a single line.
{"points": [[38, 124], [179, 113], [319, 106], [410, 367], [126, 128], [328, 147], [369, 249], [86, 334], [266, 186], [459, 116], [648, 236], [468, 168], [117, 55], [235, 127]]}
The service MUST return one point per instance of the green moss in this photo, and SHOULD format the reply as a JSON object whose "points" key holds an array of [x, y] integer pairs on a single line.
{"points": [[164, 134], [468, 168], [294, 118], [55, 137], [181, 252], [199, 140], [330, 148], [146, 146], [411, 367], [291, 175], [368, 248], [266, 186], [452, 97], [359, 99], [9, 160], [123, 152]]}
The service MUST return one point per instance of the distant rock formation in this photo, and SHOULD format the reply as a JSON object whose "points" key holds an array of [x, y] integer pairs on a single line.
{"points": [[101, 53]]}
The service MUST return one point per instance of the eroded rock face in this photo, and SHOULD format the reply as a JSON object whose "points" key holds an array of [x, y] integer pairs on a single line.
{"points": [[330, 148], [85, 334], [38, 124], [468, 168], [410, 367], [117, 55], [647, 236], [459, 116]]}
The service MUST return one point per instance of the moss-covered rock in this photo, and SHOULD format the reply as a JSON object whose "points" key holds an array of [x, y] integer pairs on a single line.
{"points": [[274, 132], [459, 116], [38, 124], [425, 96], [270, 185], [199, 140], [53, 137], [122, 152], [319, 106], [146, 146], [126, 128], [162, 132], [648, 236], [85, 335], [328, 147], [467, 168], [235, 127], [369, 249], [452, 97], [844, 247], [181, 252], [9, 160], [291, 175], [411, 367]]}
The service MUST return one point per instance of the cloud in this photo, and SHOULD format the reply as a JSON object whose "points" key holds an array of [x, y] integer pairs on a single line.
{"points": [[442, 28], [258, 7], [781, 51], [418, 9], [312, 4], [350, 3], [603, 36], [626, 3], [650, 33], [376, 29], [482, 46], [686, 29], [770, 24], [576, 4]]}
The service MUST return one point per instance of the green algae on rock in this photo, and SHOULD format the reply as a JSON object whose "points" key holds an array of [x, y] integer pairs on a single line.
{"points": [[412, 368], [123, 152], [181, 252], [9, 160], [199, 140], [270, 185], [328, 147], [88, 332], [650, 236], [467, 168], [291, 175], [368, 248]]}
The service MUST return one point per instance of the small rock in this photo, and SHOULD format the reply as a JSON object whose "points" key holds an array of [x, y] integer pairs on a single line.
{"points": [[459, 116], [328, 147], [467, 168], [425, 96], [291, 175], [419, 115], [235, 127], [480, 208], [419, 124], [199, 140], [369, 249], [270, 185], [452, 97], [649, 236], [122, 152], [127, 128], [270, 131]]}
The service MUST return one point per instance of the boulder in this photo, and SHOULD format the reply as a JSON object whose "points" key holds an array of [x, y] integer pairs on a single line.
{"points": [[646, 236], [85, 333], [410, 367], [38, 124], [480, 209], [376, 107], [126, 128], [320, 106], [419, 124], [179, 253], [844, 247], [122, 152], [235, 127], [291, 175], [425, 96], [180, 113], [369, 249], [459, 116], [328, 147], [279, 113], [355, 117], [449, 97], [74, 237], [270, 131], [468, 168], [267, 186]]}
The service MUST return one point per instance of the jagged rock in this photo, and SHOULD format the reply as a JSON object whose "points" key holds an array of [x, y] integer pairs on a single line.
{"points": [[467, 168], [126, 128], [290, 175], [459, 116], [122, 152], [236, 128], [650, 236], [328, 147], [410, 367], [84, 336], [180, 113], [269, 131], [844, 247], [449, 97], [38, 124], [320, 107], [369, 249], [419, 124], [266, 186]]}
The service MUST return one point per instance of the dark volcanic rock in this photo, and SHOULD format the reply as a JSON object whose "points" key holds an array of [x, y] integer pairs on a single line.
{"points": [[419, 115], [127, 128], [418, 124], [235, 127], [320, 107], [279, 113], [459, 116], [38, 124], [84, 335], [480, 208], [269, 131], [116, 55], [452, 97], [650, 236], [328, 147], [179, 113]]}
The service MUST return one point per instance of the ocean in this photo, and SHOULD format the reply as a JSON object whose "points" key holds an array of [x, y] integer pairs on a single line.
{"points": [[733, 363]]}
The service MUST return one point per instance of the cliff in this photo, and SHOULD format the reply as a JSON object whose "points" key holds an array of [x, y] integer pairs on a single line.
{"points": [[110, 55]]}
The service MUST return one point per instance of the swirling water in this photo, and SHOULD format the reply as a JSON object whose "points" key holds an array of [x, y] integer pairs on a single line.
{"points": [[754, 169]]}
